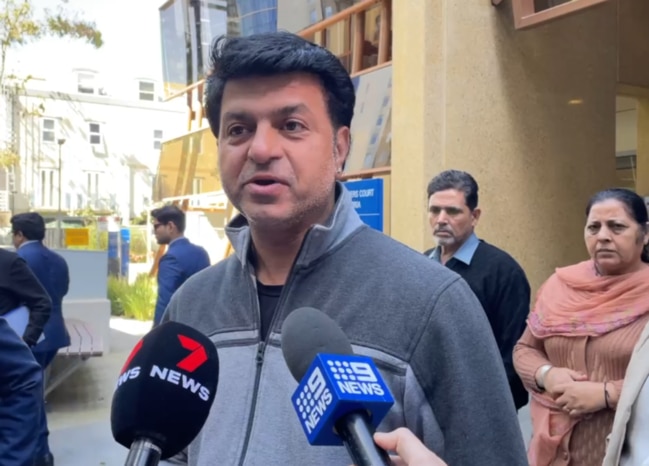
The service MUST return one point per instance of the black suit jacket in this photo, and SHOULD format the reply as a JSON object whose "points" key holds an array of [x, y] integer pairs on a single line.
{"points": [[19, 286], [21, 398]]}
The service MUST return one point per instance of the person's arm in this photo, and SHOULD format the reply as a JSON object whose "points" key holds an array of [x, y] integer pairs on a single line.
{"points": [[457, 364], [21, 392], [512, 309], [170, 277], [30, 292], [528, 357]]}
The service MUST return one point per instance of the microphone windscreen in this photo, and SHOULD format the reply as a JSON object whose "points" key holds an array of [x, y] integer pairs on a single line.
{"points": [[165, 389], [305, 333]]}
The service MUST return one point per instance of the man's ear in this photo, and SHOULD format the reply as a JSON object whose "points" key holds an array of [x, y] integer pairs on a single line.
{"points": [[476, 215], [343, 143]]}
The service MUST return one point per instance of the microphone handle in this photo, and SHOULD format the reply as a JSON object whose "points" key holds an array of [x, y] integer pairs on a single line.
{"points": [[356, 432], [143, 452]]}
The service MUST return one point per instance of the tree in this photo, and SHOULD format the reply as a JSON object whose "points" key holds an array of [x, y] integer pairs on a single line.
{"points": [[19, 26]]}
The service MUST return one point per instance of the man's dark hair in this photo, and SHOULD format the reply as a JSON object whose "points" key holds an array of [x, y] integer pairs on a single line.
{"points": [[30, 224], [272, 54], [459, 180], [170, 213]]}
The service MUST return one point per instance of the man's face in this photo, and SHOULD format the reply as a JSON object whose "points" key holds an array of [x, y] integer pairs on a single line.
{"points": [[17, 238], [450, 218], [278, 151], [162, 232]]}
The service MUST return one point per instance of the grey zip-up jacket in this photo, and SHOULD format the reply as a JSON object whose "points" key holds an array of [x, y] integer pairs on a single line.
{"points": [[419, 321]]}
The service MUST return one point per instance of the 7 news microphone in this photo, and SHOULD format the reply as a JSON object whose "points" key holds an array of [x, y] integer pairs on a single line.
{"points": [[341, 397], [164, 393]]}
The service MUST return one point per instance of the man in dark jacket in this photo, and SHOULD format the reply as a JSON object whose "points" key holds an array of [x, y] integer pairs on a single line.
{"points": [[21, 399], [50, 268], [494, 276], [19, 286]]}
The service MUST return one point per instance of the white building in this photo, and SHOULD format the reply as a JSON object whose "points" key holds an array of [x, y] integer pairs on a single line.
{"points": [[102, 141], [104, 102]]}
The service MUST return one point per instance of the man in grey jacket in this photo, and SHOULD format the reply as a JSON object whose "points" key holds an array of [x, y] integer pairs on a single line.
{"points": [[281, 108]]}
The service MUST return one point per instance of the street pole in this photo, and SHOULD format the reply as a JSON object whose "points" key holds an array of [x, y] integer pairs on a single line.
{"points": [[59, 225]]}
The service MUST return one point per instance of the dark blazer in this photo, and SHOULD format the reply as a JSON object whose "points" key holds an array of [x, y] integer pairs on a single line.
{"points": [[182, 260], [52, 271], [19, 286], [21, 397]]}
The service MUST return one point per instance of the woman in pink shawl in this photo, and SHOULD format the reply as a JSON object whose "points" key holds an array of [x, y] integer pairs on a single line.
{"points": [[581, 333]]}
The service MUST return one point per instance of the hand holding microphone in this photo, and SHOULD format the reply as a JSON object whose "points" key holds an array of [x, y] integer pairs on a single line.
{"points": [[164, 393], [410, 450], [341, 397]]}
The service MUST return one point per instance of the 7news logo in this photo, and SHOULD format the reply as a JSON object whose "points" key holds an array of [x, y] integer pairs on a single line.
{"points": [[190, 363]]}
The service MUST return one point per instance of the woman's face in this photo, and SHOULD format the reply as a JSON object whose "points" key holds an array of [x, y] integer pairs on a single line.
{"points": [[613, 238]]}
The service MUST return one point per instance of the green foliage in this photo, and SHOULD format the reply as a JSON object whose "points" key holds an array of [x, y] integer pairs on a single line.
{"points": [[132, 300], [8, 158], [19, 26]]}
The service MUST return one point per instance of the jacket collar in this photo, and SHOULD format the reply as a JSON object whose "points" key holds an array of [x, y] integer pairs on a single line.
{"points": [[319, 238]]}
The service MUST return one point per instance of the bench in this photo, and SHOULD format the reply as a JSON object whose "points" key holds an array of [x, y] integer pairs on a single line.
{"points": [[84, 344]]}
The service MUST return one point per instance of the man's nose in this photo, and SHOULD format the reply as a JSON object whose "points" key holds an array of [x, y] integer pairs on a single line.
{"points": [[264, 145], [442, 217]]}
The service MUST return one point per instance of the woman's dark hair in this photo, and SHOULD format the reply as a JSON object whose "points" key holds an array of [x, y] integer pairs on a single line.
{"points": [[633, 204]]}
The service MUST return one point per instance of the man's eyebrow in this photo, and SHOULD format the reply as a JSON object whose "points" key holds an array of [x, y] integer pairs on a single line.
{"points": [[241, 115], [290, 110], [236, 115]]}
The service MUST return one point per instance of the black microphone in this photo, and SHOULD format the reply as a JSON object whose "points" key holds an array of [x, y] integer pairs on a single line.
{"points": [[341, 397], [164, 393]]}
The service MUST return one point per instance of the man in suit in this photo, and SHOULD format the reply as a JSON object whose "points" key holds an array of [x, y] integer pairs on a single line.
{"points": [[19, 286], [50, 268], [21, 399], [182, 259]]}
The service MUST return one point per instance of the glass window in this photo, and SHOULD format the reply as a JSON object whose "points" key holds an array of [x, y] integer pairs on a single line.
{"points": [[86, 83], [46, 194], [95, 133], [147, 90], [157, 139], [48, 130]]}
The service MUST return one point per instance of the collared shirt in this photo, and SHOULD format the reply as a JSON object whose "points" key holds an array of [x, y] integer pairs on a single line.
{"points": [[463, 254], [28, 242]]}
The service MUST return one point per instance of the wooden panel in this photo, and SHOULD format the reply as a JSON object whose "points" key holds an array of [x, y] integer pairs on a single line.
{"points": [[526, 15]]}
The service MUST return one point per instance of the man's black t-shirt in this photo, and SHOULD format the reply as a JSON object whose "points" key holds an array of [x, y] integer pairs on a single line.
{"points": [[268, 298]]}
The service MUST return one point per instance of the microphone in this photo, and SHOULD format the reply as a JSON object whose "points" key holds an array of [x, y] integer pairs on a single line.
{"points": [[341, 397], [164, 393]]}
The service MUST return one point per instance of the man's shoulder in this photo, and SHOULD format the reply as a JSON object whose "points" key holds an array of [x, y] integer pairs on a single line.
{"points": [[7, 256], [214, 273], [400, 261], [496, 255]]}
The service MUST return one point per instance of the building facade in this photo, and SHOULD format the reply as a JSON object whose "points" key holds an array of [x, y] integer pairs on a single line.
{"points": [[545, 102], [87, 147]]}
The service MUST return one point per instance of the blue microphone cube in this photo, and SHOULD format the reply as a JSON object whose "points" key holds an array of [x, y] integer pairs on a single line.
{"points": [[335, 385]]}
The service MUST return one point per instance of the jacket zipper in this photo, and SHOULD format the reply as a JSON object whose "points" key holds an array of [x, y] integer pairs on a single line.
{"points": [[261, 350]]}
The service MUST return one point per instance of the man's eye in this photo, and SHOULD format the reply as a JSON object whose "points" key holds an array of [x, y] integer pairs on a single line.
{"points": [[236, 130], [293, 126]]}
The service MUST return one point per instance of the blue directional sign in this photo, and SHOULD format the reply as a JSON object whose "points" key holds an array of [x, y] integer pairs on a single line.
{"points": [[367, 196]]}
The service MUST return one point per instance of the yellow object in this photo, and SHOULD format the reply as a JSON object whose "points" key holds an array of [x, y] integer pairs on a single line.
{"points": [[77, 237]]}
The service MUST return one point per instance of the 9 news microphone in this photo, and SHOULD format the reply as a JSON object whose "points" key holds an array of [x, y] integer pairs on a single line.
{"points": [[164, 393], [341, 397]]}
